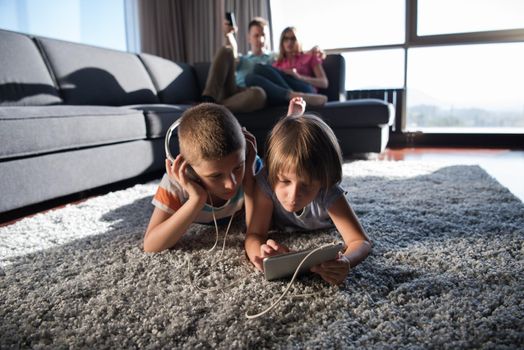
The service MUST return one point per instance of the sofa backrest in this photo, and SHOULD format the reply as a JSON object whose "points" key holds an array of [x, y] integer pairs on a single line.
{"points": [[24, 77], [90, 75], [175, 82]]}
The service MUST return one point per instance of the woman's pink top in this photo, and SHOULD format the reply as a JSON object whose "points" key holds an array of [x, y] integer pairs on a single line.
{"points": [[303, 62]]}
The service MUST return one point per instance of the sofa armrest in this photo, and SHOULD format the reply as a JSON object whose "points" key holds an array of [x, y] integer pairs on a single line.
{"points": [[335, 68]]}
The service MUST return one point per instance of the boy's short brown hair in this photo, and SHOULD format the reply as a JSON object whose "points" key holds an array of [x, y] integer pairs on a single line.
{"points": [[209, 132], [307, 145]]}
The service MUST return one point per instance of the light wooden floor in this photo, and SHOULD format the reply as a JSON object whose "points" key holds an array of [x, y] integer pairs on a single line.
{"points": [[506, 166]]}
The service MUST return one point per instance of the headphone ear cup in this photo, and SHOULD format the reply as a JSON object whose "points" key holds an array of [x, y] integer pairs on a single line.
{"points": [[169, 132]]}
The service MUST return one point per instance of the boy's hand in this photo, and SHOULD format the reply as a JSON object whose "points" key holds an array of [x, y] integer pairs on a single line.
{"points": [[297, 106], [178, 170], [335, 271]]}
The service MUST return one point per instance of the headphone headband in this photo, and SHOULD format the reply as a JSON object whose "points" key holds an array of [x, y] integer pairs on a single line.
{"points": [[168, 137]]}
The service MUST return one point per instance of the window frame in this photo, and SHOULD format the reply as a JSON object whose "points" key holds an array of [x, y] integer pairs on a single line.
{"points": [[400, 137]]}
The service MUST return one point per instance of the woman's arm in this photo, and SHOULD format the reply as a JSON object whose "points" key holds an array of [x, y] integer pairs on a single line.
{"points": [[320, 79]]}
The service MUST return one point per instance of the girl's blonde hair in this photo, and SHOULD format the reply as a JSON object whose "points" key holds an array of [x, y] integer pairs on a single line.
{"points": [[281, 51], [307, 145]]}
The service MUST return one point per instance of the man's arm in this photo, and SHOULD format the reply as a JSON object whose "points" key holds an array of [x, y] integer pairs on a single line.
{"points": [[231, 40]]}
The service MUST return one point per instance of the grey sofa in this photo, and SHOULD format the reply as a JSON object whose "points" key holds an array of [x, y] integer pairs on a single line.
{"points": [[75, 117]]}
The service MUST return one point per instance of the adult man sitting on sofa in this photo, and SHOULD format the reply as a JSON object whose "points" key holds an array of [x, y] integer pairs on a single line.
{"points": [[226, 80]]}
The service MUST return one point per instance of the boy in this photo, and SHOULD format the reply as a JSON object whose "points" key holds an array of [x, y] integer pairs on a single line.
{"points": [[206, 178]]}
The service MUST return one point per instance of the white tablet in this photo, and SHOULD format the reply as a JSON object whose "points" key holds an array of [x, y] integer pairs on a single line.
{"points": [[284, 265]]}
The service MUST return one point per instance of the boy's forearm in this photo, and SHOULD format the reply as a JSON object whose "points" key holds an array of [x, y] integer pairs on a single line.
{"points": [[166, 234]]}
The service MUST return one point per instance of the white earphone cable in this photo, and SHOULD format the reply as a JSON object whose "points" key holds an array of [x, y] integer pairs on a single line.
{"points": [[272, 306]]}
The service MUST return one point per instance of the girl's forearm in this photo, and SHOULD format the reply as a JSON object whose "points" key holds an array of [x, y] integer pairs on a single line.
{"points": [[252, 245], [357, 252]]}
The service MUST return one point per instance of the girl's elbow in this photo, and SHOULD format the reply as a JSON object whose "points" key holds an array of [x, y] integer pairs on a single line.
{"points": [[368, 246], [149, 249]]}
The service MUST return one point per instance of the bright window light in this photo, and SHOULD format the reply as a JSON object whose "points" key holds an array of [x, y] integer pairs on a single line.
{"points": [[461, 16], [466, 86], [95, 22], [377, 69], [340, 23]]}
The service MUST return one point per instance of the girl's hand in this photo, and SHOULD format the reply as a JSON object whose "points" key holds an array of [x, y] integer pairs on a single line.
{"points": [[179, 171], [335, 271], [297, 106], [270, 248]]}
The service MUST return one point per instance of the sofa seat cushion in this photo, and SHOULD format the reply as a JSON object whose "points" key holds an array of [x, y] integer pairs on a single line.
{"points": [[27, 131], [357, 113], [348, 114], [89, 75], [24, 77], [159, 117]]}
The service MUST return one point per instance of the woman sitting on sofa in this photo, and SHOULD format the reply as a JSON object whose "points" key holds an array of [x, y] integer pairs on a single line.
{"points": [[294, 74]]}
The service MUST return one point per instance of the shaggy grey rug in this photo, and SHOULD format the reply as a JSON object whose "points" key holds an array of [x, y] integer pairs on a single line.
{"points": [[446, 271]]}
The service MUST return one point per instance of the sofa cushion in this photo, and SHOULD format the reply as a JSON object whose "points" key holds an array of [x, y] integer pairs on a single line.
{"points": [[26, 131], [175, 82], [89, 75], [26, 181], [160, 117], [356, 113], [345, 114], [24, 77]]}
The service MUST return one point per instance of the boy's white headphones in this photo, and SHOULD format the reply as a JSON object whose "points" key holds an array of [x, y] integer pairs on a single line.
{"points": [[168, 138]]}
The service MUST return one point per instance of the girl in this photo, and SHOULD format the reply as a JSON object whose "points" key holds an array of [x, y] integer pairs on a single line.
{"points": [[299, 188], [294, 74]]}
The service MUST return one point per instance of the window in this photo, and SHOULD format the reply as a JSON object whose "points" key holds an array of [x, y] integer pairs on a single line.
{"points": [[95, 22], [340, 23], [463, 16], [472, 87], [376, 69]]}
